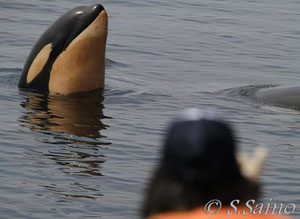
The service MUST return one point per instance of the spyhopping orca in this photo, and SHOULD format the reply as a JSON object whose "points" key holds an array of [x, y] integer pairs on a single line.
{"points": [[70, 56]]}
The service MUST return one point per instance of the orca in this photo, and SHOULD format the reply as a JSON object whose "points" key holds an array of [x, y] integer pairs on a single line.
{"points": [[284, 96], [69, 57]]}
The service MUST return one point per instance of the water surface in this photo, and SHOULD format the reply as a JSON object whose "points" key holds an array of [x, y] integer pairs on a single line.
{"points": [[90, 156]]}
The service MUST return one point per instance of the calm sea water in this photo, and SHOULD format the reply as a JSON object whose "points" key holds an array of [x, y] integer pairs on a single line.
{"points": [[90, 156]]}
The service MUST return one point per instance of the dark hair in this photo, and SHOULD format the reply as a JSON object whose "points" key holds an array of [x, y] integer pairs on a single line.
{"points": [[164, 194]]}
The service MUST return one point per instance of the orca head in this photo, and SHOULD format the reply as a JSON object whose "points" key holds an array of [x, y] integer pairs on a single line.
{"points": [[70, 56]]}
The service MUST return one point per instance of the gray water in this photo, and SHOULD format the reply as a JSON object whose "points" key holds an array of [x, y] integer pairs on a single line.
{"points": [[90, 157]]}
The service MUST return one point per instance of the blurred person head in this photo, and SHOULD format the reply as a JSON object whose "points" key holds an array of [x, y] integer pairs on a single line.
{"points": [[199, 163]]}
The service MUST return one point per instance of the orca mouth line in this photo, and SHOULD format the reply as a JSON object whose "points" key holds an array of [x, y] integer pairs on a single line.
{"points": [[81, 17]]}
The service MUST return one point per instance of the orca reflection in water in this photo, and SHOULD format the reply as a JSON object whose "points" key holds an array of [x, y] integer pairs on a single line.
{"points": [[79, 115], [70, 56], [73, 124]]}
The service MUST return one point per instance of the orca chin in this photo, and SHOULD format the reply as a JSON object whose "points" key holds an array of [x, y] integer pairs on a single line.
{"points": [[69, 57]]}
